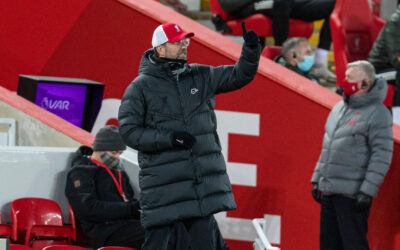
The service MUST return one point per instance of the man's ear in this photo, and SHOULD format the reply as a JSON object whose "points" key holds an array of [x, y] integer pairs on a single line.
{"points": [[365, 84], [160, 50]]}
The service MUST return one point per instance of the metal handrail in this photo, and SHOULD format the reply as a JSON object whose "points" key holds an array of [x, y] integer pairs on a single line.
{"points": [[261, 243]]}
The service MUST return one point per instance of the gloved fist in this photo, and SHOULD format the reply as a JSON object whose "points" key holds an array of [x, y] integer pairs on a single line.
{"points": [[181, 139], [316, 194], [363, 201], [250, 37]]}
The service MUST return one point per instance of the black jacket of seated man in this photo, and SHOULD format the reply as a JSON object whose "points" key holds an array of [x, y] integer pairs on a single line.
{"points": [[98, 205]]}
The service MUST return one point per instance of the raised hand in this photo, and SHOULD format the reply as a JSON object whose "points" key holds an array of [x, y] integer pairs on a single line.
{"points": [[250, 37]]}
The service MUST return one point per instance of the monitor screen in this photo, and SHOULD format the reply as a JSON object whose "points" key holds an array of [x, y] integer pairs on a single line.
{"points": [[64, 100]]}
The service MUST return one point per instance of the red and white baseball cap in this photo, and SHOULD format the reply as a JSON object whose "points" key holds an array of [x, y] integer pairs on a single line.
{"points": [[169, 32]]}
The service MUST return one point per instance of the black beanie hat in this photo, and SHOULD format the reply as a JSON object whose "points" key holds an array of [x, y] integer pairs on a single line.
{"points": [[108, 139]]}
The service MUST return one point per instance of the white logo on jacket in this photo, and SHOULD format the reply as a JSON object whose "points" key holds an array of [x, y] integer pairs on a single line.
{"points": [[193, 91]]}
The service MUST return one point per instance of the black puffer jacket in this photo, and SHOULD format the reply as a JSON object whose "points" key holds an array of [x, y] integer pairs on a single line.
{"points": [[176, 183], [95, 199]]}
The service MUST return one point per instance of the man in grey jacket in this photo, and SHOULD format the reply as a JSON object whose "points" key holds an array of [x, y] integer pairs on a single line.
{"points": [[356, 154], [167, 114]]}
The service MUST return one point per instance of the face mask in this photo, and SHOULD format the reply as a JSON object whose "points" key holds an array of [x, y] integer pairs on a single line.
{"points": [[109, 161], [306, 64], [349, 88]]}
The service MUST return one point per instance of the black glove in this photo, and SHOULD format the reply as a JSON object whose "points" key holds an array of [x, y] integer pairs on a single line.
{"points": [[363, 201], [250, 37], [316, 194], [181, 139]]}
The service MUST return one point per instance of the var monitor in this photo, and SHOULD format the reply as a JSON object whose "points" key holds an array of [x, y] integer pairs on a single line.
{"points": [[76, 100]]}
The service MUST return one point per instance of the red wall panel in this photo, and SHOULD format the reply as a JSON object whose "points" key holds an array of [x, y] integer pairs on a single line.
{"points": [[103, 40], [29, 33]]}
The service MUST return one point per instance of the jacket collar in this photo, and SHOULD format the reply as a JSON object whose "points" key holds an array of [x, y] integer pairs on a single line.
{"points": [[149, 66]]}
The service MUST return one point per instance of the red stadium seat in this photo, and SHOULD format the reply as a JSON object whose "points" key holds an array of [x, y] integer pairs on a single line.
{"points": [[396, 242], [79, 236], [63, 247], [376, 7], [19, 247], [72, 222], [354, 30], [271, 52], [39, 219], [115, 248], [260, 23], [5, 229]]}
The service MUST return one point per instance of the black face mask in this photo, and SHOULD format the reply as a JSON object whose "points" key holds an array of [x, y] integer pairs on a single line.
{"points": [[176, 64], [109, 161]]}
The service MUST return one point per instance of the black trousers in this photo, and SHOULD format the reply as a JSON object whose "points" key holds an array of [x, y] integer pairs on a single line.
{"points": [[193, 234], [304, 10], [342, 226], [131, 235]]}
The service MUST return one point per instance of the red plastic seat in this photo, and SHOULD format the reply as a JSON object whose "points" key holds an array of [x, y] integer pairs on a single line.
{"points": [[260, 23], [376, 7], [5, 229], [271, 52], [354, 30], [72, 222], [37, 219], [19, 247], [396, 241], [115, 248], [79, 237], [63, 247]]}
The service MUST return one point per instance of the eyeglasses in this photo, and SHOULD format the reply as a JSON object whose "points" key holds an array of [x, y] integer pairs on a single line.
{"points": [[184, 41]]}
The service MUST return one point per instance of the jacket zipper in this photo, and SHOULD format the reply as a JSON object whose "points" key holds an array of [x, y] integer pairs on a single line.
{"points": [[186, 127]]}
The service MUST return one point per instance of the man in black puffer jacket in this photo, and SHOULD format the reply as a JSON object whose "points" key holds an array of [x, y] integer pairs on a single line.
{"points": [[100, 193], [167, 114]]}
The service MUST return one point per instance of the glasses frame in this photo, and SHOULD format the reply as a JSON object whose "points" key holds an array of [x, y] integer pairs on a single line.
{"points": [[185, 41]]}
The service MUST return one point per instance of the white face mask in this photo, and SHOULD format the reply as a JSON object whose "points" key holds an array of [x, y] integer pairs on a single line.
{"points": [[109, 161]]}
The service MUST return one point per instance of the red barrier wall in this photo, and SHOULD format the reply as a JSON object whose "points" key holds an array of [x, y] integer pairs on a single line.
{"points": [[103, 40]]}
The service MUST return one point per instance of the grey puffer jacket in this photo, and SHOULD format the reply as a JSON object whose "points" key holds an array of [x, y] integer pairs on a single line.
{"points": [[177, 183], [357, 146]]}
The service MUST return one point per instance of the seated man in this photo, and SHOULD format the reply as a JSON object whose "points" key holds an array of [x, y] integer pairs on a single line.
{"points": [[100, 193], [281, 11], [297, 56], [385, 56]]}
